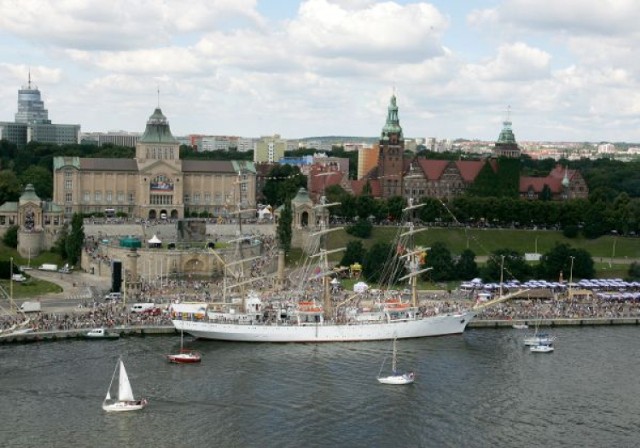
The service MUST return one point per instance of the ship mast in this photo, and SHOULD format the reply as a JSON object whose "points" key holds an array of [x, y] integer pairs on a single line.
{"points": [[412, 258], [238, 274], [323, 254]]}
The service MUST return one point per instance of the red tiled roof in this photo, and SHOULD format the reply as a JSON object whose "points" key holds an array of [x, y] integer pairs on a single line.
{"points": [[358, 185], [318, 183], [538, 183], [559, 170], [469, 169], [432, 169]]}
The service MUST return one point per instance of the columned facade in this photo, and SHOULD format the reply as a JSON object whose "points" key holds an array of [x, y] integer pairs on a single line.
{"points": [[156, 184]]}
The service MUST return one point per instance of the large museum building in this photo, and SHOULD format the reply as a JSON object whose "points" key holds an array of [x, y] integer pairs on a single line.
{"points": [[156, 183]]}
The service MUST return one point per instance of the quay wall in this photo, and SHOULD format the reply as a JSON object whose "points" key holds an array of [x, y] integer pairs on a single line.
{"points": [[62, 335], [169, 330], [559, 322]]}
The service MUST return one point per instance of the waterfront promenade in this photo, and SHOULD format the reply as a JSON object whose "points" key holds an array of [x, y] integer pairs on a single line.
{"points": [[66, 318]]}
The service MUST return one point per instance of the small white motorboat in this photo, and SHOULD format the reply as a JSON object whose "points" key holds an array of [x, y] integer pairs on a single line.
{"points": [[541, 348]]}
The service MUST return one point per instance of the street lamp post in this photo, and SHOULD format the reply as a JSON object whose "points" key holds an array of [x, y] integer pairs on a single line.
{"points": [[571, 277], [501, 273], [11, 284]]}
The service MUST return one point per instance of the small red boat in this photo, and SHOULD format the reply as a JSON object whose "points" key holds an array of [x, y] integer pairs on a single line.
{"points": [[186, 356]]}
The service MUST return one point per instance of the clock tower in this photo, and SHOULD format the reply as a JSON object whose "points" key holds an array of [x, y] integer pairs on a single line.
{"points": [[391, 161]]}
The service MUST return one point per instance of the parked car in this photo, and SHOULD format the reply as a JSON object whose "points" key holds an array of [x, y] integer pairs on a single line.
{"points": [[155, 311], [18, 278], [113, 296]]}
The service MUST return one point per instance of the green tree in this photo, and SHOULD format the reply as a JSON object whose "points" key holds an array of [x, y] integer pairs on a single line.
{"points": [[439, 259], [374, 269], [284, 227], [10, 188], [61, 243], [10, 238], [633, 275], [41, 179], [395, 205], [466, 267], [515, 267], [362, 228], [559, 260], [354, 253], [283, 182], [75, 240], [365, 205]]}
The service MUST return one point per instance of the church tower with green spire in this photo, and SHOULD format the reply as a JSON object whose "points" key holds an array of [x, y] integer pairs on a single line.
{"points": [[506, 145], [390, 162]]}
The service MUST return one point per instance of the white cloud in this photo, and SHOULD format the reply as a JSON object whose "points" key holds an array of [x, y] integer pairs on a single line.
{"points": [[514, 62], [386, 30], [330, 67], [118, 24], [588, 17]]}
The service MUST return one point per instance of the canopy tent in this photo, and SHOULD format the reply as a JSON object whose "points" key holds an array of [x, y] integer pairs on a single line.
{"points": [[265, 213], [154, 241], [360, 287]]}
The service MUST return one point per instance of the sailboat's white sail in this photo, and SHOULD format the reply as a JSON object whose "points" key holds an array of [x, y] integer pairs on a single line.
{"points": [[124, 387], [108, 397]]}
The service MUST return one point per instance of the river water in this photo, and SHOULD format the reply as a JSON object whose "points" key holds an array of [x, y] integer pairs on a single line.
{"points": [[481, 389]]}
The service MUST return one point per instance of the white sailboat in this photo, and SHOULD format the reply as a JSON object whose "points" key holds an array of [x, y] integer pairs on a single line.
{"points": [[125, 400], [255, 319], [395, 377], [539, 339]]}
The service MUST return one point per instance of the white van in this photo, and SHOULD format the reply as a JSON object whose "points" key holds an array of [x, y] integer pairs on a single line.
{"points": [[113, 296], [141, 307]]}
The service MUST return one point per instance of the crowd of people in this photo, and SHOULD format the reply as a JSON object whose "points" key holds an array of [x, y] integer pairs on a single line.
{"points": [[561, 309], [109, 315]]}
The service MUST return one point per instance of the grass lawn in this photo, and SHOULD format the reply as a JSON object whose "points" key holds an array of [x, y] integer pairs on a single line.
{"points": [[484, 242], [30, 288], [45, 257]]}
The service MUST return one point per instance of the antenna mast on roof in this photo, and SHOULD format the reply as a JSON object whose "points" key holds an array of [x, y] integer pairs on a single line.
{"points": [[158, 95]]}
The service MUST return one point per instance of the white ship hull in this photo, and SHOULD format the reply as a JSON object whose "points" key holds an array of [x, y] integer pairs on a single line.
{"points": [[401, 329]]}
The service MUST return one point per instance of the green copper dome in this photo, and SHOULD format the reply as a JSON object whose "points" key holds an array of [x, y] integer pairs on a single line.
{"points": [[29, 194], [506, 135], [392, 126], [157, 130], [302, 197]]}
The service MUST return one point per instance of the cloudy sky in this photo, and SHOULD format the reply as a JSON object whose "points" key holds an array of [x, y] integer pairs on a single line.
{"points": [[569, 70]]}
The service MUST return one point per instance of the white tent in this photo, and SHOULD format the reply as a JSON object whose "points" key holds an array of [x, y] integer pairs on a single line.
{"points": [[360, 287], [265, 213], [154, 241]]}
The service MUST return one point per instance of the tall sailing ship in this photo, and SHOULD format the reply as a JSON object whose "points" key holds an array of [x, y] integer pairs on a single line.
{"points": [[307, 317]]}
